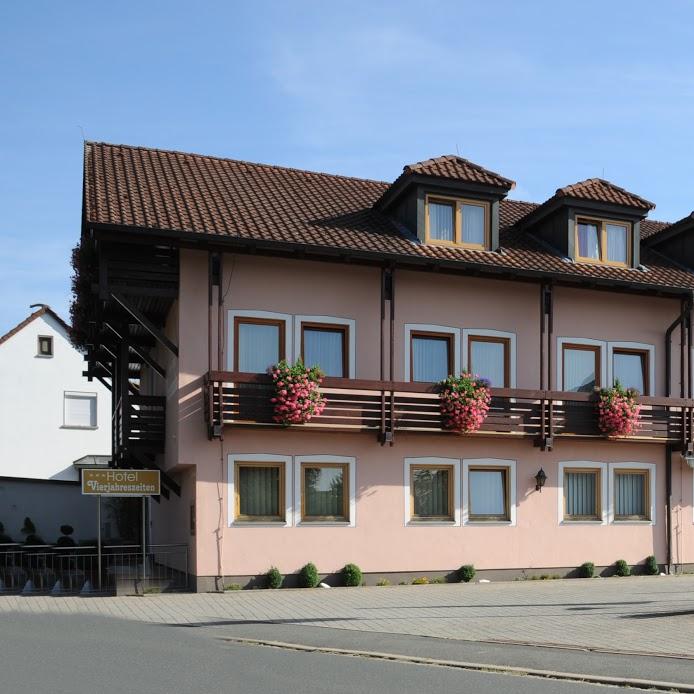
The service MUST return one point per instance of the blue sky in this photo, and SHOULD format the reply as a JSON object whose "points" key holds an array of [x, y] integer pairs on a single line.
{"points": [[546, 93]]}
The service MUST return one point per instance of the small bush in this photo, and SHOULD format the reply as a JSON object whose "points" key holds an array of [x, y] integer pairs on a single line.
{"points": [[351, 575], [421, 581], [466, 573], [622, 568], [308, 576], [273, 578], [383, 582], [233, 586], [4, 539], [586, 570], [438, 580], [67, 529], [651, 568]]}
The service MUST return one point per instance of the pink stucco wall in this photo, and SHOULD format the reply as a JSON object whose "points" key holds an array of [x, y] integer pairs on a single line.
{"points": [[380, 541]]}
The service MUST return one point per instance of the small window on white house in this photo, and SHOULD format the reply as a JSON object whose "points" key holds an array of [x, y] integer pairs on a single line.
{"points": [[79, 410], [45, 346]]}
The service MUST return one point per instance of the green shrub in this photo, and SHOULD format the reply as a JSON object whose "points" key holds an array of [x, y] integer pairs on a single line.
{"points": [[383, 582], [586, 570], [4, 539], [622, 568], [29, 529], [421, 581], [233, 586], [351, 575], [308, 576], [651, 568], [438, 580], [273, 578], [466, 573]]}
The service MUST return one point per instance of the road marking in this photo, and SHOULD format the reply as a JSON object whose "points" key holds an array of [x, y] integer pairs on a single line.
{"points": [[463, 665]]}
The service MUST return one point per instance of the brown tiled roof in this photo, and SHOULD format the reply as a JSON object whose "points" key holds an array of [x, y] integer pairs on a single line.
{"points": [[32, 317], [599, 190], [147, 189], [650, 228], [459, 169]]}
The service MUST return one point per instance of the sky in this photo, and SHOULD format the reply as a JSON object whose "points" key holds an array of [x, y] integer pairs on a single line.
{"points": [[545, 93]]}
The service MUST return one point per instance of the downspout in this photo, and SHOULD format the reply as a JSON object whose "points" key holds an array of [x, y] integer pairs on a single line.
{"points": [[392, 353], [542, 336]]}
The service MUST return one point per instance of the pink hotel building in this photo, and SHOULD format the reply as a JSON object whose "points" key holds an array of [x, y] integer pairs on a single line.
{"points": [[195, 273]]}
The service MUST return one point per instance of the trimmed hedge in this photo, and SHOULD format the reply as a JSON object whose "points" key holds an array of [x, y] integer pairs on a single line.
{"points": [[308, 576], [351, 575], [274, 578], [651, 568], [466, 573], [622, 568], [586, 570]]}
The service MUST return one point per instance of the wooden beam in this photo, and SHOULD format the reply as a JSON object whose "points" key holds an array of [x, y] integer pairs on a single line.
{"points": [[152, 329], [149, 361]]}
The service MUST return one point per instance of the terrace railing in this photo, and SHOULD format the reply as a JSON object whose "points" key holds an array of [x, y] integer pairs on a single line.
{"points": [[384, 407]]}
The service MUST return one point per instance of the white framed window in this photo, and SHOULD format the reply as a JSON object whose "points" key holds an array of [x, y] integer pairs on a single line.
{"points": [[257, 340], [583, 496], [490, 354], [581, 364], [79, 410], [327, 342], [489, 491], [432, 491], [325, 490], [432, 352], [632, 493], [259, 490], [633, 364], [44, 346]]}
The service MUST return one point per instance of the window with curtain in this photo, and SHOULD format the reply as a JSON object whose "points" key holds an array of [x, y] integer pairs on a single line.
{"points": [[582, 494], [581, 368], [431, 492], [431, 356], [260, 491], [630, 368], [602, 241], [325, 347], [473, 224], [325, 493], [79, 410], [442, 221], [488, 357], [45, 346], [631, 495], [259, 344], [488, 494]]}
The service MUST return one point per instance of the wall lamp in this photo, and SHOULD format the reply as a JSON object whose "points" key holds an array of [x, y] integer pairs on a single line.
{"points": [[540, 480]]}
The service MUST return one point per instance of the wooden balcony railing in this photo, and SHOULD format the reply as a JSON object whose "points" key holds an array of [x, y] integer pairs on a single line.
{"points": [[138, 425], [385, 407]]}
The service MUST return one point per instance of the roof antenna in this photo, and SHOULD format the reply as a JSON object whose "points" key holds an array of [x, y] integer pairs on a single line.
{"points": [[457, 151], [84, 135]]}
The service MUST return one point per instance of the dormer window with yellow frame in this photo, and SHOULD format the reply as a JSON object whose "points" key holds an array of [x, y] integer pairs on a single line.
{"points": [[457, 222], [603, 241]]}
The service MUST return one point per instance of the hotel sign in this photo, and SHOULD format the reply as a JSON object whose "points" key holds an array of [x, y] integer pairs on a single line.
{"points": [[121, 482]]}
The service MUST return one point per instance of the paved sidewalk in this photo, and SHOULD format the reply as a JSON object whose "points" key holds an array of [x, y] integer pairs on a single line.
{"points": [[644, 615]]}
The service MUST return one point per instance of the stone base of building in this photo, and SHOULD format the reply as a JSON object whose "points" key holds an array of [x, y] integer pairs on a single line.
{"points": [[212, 584]]}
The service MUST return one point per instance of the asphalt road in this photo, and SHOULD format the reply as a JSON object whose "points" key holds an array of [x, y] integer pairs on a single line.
{"points": [[70, 654]]}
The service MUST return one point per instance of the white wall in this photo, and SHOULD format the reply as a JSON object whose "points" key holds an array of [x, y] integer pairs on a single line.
{"points": [[33, 442]]}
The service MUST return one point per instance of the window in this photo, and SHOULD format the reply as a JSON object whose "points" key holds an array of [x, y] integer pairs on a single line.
{"points": [[580, 367], [431, 492], [457, 222], [600, 241], [489, 357], [326, 346], [431, 356], [45, 346], [325, 492], [258, 343], [582, 494], [79, 410], [260, 491], [631, 494], [488, 493], [631, 368]]}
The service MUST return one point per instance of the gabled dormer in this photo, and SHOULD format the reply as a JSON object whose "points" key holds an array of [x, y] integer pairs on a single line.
{"points": [[593, 221], [448, 201]]}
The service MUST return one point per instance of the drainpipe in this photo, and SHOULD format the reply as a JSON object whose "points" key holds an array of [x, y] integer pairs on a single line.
{"points": [[668, 508], [668, 356]]}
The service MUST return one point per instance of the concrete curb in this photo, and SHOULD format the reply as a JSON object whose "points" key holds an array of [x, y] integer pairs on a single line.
{"points": [[482, 667]]}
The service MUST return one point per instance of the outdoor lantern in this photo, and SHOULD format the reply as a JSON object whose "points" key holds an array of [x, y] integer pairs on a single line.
{"points": [[540, 480]]}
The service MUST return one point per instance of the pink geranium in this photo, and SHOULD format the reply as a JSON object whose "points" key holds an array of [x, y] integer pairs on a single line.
{"points": [[464, 402], [297, 395], [618, 411]]}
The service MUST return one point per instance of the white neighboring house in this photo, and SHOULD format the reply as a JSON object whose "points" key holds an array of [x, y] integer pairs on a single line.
{"points": [[50, 416]]}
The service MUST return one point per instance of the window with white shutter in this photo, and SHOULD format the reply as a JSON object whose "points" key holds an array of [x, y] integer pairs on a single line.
{"points": [[79, 410]]}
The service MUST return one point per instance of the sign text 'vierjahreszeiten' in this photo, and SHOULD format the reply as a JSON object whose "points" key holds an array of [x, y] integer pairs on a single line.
{"points": [[121, 482]]}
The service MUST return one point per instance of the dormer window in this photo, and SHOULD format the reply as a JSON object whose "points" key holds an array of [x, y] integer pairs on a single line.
{"points": [[457, 222], [602, 241]]}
